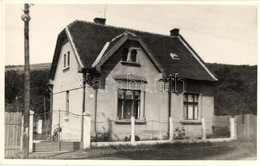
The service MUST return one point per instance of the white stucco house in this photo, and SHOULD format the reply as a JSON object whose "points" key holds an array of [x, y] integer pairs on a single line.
{"points": [[115, 73]]}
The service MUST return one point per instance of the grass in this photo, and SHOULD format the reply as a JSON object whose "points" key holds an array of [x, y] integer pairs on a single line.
{"points": [[179, 151]]}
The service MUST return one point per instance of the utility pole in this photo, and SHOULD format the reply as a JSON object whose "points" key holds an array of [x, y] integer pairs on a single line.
{"points": [[26, 114]]}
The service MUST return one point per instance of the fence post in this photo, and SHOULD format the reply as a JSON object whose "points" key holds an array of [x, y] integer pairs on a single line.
{"points": [[171, 129], [21, 137], [31, 132], [232, 128], [247, 126], [39, 126], [87, 130], [132, 130], [203, 128]]}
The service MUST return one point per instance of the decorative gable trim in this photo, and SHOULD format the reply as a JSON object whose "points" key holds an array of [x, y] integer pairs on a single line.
{"points": [[196, 56], [110, 53], [122, 34]]}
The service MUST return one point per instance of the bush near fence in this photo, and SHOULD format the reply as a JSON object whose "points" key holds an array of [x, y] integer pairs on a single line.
{"points": [[109, 131], [220, 127]]}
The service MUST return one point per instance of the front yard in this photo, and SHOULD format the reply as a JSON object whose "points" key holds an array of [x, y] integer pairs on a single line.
{"points": [[234, 150]]}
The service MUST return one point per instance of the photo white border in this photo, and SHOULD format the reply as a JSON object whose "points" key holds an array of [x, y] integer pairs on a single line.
{"points": [[112, 162]]}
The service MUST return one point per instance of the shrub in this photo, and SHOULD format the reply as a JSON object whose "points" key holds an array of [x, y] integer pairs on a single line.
{"points": [[129, 138], [166, 137], [180, 134], [101, 137], [220, 131]]}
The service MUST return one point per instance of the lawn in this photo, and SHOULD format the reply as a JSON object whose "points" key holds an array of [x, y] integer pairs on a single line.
{"points": [[180, 151]]}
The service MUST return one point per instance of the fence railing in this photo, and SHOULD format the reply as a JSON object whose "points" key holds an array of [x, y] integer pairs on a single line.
{"points": [[167, 130], [133, 132], [90, 131]]}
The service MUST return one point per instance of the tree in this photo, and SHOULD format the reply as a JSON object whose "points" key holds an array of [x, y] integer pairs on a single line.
{"points": [[13, 86], [14, 89]]}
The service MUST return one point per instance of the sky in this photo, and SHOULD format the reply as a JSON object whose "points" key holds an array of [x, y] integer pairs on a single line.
{"points": [[218, 33]]}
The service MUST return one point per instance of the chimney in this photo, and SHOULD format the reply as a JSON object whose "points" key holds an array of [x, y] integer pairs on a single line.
{"points": [[101, 21], [175, 32]]}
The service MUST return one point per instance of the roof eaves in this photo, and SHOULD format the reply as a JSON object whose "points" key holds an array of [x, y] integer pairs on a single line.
{"points": [[56, 54], [196, 56]]}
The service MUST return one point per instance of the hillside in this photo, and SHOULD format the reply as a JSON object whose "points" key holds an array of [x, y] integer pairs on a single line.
{"points": [[236, 90], [33, 67]]}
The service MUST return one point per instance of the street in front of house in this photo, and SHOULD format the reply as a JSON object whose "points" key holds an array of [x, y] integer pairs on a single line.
{"points": [[235, 150]]}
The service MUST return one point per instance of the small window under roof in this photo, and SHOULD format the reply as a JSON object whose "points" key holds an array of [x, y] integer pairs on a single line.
{"points": [[174, 56]]}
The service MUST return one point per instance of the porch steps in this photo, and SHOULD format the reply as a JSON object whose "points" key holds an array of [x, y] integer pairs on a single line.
{"points": [[48, 146]]}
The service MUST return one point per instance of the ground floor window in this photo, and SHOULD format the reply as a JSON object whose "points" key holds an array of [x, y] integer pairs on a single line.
{"points": [[128, 104], [191, 106]]}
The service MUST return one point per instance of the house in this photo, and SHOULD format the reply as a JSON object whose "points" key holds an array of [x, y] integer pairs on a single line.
{"points": [[114, 73]]}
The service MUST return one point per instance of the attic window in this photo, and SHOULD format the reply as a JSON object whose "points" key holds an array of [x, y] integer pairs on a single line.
{"points": [[174, 56], [130, 55]]}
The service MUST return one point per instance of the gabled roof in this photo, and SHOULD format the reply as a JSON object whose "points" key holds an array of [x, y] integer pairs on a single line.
{"points": [[92, 41], [110, 47]]}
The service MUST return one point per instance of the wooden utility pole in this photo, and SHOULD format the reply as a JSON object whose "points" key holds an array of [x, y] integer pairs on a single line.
{"points": [[26, 114]]}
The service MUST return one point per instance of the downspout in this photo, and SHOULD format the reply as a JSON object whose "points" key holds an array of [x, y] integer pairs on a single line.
{"points": [[95, 110], [169, 100], [169, 95], [83, 102]]}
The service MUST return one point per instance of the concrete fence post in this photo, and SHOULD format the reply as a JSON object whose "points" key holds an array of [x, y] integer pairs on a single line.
{"points": [[132, 130], [31, 132], [87, 130], [21, 137], [203, 128], [247, 126], [39, 126], [171, 129], [232, 128]]}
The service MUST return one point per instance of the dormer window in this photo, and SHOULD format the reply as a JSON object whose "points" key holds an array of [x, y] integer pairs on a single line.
{"points": [[66, 58], [130, 55]]}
